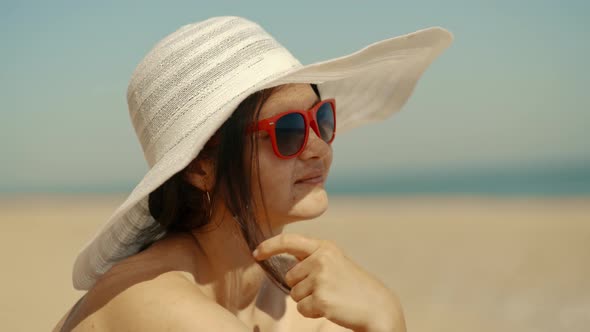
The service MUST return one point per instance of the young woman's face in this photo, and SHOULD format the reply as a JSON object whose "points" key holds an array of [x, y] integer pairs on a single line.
{"points": [[286, 198]]}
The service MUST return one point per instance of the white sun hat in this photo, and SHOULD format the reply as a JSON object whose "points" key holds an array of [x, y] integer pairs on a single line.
{"points": [[192, 80]]}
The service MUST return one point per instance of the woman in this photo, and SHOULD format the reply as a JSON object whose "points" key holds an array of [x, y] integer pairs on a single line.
{"points": [[237, 134]]}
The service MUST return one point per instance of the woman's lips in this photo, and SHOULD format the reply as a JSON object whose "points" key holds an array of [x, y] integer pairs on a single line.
{"points": [[315, 180]]}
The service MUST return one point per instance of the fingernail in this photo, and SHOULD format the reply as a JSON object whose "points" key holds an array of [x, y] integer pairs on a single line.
{"points": [[255, 253]]}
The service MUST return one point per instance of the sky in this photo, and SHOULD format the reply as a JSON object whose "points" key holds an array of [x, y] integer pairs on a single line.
{"points": [[509, 95]]}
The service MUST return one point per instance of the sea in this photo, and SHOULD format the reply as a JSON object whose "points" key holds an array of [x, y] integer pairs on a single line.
{"points": [[554, 181]]}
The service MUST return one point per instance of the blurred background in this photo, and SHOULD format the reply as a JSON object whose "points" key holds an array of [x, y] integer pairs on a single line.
{"points": [[478, 191]]}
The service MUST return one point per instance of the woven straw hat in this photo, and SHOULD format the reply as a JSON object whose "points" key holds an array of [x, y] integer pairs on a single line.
{"points": [[192, 80]]}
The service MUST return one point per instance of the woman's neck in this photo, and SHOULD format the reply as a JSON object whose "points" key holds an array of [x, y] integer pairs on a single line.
{"points": [[232, 275]]}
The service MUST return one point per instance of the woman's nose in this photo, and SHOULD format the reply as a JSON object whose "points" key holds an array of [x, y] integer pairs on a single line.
{"points": [[316, 147]]}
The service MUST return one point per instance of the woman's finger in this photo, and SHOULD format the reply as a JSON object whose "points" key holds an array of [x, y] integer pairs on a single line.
{"points": [[307, 308], [302, 289], [299, 272], [294, 244]]}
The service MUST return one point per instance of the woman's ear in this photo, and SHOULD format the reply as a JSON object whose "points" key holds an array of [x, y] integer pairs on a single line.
{"points": [[200, 174]]}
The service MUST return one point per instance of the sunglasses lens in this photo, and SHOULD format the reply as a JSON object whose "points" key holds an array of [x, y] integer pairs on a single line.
{"points": [[290, 133], [325, 120]]}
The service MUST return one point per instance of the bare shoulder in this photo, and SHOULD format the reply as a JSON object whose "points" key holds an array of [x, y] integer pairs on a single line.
{"points": [[154, 290], [169, 302]]}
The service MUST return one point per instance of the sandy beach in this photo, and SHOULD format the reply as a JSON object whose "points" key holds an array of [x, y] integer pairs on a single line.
{"points": [[457, 263]]}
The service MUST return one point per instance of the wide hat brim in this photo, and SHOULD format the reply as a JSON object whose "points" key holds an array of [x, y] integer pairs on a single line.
{"points": [[369, 85]]}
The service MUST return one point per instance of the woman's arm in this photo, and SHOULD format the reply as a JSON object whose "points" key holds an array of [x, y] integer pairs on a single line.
{"points": [[393, 323]]}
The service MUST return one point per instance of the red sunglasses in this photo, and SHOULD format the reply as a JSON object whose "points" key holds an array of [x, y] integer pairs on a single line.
{"points": [[289, 130]]}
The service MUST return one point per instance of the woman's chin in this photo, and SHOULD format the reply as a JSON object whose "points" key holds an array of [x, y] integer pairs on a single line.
{"points": [[313, 205]]}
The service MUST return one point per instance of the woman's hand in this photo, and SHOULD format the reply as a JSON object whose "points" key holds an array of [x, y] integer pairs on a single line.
{"points": [[326, 283]]}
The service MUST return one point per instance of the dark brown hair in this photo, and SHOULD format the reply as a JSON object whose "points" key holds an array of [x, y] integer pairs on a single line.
{"points": [[178, 206]]}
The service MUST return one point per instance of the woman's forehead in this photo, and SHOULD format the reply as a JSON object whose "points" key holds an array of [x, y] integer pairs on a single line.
{"points": [[289, 97]]}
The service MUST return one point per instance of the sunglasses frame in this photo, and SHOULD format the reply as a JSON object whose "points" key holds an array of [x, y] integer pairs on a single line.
{"points": [[309, 116]]}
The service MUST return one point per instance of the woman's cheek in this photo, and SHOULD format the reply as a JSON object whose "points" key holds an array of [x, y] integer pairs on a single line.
{"points": [[272, 172]]}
